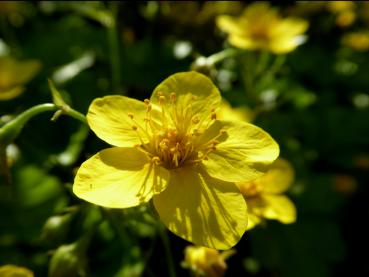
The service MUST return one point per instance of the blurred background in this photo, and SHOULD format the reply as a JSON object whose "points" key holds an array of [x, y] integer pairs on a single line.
{"points": [[314, 101]]}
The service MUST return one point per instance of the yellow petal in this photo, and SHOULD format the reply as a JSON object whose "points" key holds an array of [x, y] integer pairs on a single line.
{"points": [[278, 207], [226, 112], [243, 42], [201, 209], [285, 36], [15, 271], [109, 117], [243, 153], [229, 24], [253, 220], [11, 93], [195, 93], [119, 178], [278, 178], [15, 72]]}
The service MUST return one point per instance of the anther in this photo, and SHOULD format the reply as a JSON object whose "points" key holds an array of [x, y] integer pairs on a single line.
{"points": [[134, 127], [195, 120], [213, 116], [147, 101], [130, 115], [162, 100], [194, 98], [222, 131], [173, 97], [215, 142], [156, 160]]}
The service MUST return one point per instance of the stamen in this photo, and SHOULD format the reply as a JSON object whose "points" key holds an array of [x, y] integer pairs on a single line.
{"points": [[162, 100], [195, 120], [130, 115], [134, 128], [213, 116], [156, 160], [173, 97]]}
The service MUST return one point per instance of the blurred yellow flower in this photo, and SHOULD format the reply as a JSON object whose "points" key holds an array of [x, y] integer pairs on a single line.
{"points": [[261, 27], [173, 149], [15, 271], [344, 10], [226, 112], [359, 41], [264, 195], [205, 261], [14, 74]]}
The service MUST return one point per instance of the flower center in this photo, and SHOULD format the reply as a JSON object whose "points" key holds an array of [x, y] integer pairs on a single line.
{"points": [[173, 131]]}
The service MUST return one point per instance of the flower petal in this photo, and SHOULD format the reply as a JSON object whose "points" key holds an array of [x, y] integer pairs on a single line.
{"points": [[278, 207], [253, 220], [109, 117], [119, 178], [243, 154], [201, 209], [187, 86], [278, 178], [229, 24], [11, 93]]}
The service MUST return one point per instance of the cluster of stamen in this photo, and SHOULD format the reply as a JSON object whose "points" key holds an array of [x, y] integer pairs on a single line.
{"points": [[252, 189], [172, 138]]}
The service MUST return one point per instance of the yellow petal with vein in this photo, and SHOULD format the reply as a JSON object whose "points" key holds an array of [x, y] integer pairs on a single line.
{"points": [[243, 154], [201, 209], [119, 178], [109, 117]]}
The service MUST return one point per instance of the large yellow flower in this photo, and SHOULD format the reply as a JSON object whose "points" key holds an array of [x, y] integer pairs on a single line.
{"points": [[173, 149], [264, 195], [261, 27], [14, 74]]}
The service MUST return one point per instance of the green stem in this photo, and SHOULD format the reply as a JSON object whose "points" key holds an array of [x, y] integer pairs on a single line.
{"points": [[164, 237], [11, 130], [218, 57], [262, 62], [114, 48]]}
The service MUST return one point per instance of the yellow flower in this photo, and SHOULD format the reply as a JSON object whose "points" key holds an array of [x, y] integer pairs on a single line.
{"points": [[172, 149], [261, 27], [359, 41], [205, 261], [264, 195], [15, 271], [14, 74], [344, 10], [226, 112]]}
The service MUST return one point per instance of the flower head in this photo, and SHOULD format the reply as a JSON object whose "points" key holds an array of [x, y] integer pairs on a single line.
{"points": [[359, 41], [264, 195], [14, 74], [205, 261], [174, 150], [261, 27]]}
